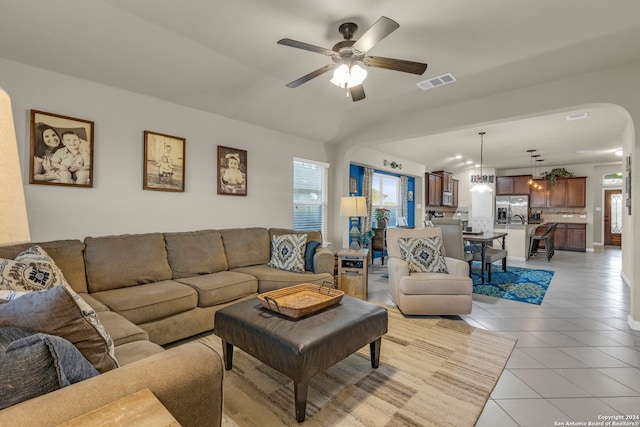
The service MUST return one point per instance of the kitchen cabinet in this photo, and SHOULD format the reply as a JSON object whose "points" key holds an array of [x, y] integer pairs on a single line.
{"points": [[447, 180], [454, 191], [509, 185], [538, 198], [567, 193], [570, 237], [433, 192]]}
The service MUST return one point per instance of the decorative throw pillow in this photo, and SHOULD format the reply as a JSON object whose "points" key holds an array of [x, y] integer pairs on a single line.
{"points": [[34, 269], [33, 364], [423, 254], [55, 311], [310, 251], [287, 252]]}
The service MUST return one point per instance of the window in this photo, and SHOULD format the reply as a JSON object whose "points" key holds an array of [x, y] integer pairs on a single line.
{"points": [[310, 181], [385, 191]]}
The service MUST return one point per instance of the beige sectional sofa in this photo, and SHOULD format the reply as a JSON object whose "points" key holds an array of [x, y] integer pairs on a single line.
{"points": [[154, 289]]}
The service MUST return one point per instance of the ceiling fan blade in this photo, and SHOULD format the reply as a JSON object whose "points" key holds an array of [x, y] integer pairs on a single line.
{"points": [[356, 93], [381, 29], [306, 46], [395, 64], [311, 75]]}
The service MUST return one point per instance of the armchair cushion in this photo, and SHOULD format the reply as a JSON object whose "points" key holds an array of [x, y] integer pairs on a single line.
{"points": [[423, 254]]}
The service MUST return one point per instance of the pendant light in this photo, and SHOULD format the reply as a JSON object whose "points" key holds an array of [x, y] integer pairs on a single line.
{"points": [[530, 182], [538, 186], [482, 186]]}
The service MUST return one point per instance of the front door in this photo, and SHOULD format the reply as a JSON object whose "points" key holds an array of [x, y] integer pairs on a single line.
{"points": [[613, 217]]}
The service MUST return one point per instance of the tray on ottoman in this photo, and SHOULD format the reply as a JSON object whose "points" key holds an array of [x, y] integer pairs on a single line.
{"points": [[300, 300]]}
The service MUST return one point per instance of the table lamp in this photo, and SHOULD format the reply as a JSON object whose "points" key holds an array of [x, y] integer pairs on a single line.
{"points": [[354, 207], [14, 225]]}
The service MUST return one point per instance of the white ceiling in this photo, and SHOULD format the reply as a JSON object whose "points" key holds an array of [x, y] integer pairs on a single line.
{"points": [[221, 56]]}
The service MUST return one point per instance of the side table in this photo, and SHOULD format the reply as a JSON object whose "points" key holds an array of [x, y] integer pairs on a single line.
{"points": [[352, 272]]}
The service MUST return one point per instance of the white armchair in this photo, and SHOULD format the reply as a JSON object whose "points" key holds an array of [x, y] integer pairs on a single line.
{"points": [[427, 293]]}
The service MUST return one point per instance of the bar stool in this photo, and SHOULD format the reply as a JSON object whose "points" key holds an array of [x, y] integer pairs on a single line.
{"points": [[547, 237]]}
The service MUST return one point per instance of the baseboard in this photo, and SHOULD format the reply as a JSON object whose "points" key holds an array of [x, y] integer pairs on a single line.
{"points": [[633, 324], [625, 279]]}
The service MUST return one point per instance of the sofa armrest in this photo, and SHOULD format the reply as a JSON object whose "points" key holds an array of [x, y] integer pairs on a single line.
{"points": [[457, 267], [324, 261], [396, 269], [187, 380]]}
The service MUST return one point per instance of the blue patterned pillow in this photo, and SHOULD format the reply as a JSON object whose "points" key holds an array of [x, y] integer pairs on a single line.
{"points": [[310, 251], [423, 254], [287, 252]]}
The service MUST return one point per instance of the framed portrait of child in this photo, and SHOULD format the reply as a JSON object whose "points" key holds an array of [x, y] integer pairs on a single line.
{"points": [[232, 171], [164, 157], [61, 150]]}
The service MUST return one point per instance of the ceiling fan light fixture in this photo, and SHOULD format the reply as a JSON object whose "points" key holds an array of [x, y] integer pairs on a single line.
{"points": [[348, 77]]}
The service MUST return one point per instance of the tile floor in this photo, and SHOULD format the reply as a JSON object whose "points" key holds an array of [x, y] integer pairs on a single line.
{"points": [[576, 358]]}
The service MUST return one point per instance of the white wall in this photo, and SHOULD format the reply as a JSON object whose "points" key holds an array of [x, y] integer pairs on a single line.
{"points": [[117, 204]]}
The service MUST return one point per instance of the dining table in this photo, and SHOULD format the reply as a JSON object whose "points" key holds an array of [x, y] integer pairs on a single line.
{"points": [[483, 239]]}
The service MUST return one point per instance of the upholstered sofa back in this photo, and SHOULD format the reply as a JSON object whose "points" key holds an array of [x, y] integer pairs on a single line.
{"points": [[193, 253], [246, 246], [114, 262]]}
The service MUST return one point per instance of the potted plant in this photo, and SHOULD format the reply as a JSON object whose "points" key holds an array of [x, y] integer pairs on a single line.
{"points": [[556, 173], [382, 217]]}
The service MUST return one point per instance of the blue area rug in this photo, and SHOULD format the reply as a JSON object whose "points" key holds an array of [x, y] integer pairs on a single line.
{"points": [[517, 283]]}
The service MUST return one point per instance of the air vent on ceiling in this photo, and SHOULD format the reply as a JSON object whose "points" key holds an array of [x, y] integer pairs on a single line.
{"points": [[442, 80], [577, 116]]}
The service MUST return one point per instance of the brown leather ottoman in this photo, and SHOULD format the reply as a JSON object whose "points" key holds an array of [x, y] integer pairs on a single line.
{"points": [[301, 348]]}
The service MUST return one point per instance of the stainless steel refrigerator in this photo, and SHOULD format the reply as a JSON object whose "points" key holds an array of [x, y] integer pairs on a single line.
{"points": [[512, 209]]}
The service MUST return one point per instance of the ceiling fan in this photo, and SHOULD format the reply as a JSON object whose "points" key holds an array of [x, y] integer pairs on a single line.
{"points": [[348, 54]]}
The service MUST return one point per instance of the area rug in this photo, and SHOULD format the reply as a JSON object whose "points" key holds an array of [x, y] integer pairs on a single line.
{"points": [[517, 283], [433, 372]]}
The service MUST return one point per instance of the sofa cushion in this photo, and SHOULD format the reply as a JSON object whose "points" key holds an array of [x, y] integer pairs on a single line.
{"points": [[152, 301], [221, 287], [121, 330], [423, 254], [270, 279], [33, 269], [67, 255], [309, 252], [136, 350], [54, 311], [311, 234], [287, 252], [114, 262], [196, 252], [246, 246], [33, 364]]}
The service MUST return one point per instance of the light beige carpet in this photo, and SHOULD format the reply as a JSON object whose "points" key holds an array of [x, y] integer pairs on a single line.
{"points": [[433, 372]]}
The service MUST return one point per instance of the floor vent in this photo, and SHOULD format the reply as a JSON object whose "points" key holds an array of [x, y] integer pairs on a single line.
{"points": [[442, 80]]}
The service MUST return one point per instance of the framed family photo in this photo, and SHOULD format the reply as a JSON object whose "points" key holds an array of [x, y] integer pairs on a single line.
{"points": [[164, 158], [232, 171], [61, 150]]}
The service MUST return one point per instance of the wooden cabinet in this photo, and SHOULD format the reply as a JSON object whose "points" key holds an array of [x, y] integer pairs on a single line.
{"points": [[433, 192], [557, 194], [454, 191], [567, 193], [570, 237], [576, 192], [447, 180], [352, 272], [538, 198], [508, 185]]}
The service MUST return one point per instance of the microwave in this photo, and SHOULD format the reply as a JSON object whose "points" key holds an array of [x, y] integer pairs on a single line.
{"points": [[447, 198]]}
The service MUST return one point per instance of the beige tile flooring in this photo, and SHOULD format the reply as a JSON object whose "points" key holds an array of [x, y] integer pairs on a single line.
{"points": [[576, 358]]}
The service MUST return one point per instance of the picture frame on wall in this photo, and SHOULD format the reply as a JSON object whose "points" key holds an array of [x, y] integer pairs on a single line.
{"points": [[232, 171], [61, 150], [164, 162], [353, 185]]}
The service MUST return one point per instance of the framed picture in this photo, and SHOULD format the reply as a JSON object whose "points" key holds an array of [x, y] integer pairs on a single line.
{"points": [[232, 171], [61, 150], [353, 185], [164, 157]]}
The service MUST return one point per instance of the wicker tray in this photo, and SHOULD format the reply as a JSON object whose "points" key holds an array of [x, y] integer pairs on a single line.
{"points": [[301, 300]]}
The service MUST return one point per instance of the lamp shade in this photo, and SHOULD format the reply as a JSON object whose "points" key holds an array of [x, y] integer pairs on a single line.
{"points": [[14, 225], [353, 206]]}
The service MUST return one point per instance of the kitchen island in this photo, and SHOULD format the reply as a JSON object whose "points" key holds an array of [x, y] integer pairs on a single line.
{"points": [[517, 240]]}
